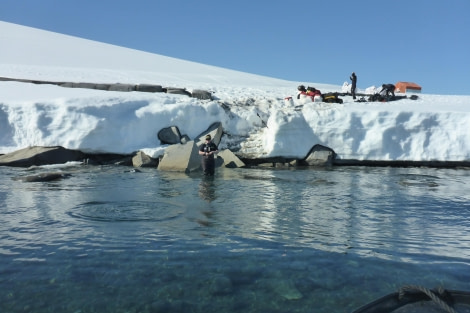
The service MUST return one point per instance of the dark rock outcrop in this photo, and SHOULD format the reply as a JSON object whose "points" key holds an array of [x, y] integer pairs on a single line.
{"points": [[320, 156], [40, 156], [177, 91], [43, 177], [149, 88], [122, 87], [201, 94], [169, 135]]}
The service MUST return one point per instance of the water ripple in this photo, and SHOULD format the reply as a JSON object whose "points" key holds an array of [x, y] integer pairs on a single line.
{"points": [[126, 211]]}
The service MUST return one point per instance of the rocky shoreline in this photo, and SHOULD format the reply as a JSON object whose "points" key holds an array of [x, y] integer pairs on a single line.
{"points": [[319, 156]]}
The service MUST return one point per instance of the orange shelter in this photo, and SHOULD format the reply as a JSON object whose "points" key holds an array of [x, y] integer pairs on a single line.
{"points": [[404, 87]]}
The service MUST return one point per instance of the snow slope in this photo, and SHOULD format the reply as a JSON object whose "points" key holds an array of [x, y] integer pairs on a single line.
{"points": [[257, 119]]}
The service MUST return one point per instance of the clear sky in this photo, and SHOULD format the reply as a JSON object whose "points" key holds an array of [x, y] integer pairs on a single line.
{"points": [[422, 41]]}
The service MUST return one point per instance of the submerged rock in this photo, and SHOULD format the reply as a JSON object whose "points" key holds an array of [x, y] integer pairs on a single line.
{"points": [[220, 285], [42, 177], [287, 289], [283, 287]]}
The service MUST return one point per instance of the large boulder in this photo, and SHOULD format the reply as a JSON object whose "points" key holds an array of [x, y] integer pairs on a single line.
{"points": [[169, 135], [320, 156], [40, 156], [143, 160], [228, 159], [42, 177], [185, 139], [181, 158], [215, 130]]}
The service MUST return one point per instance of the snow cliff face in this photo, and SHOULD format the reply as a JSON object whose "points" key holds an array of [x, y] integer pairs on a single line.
{"points": [[258, 122], [364, 131]]}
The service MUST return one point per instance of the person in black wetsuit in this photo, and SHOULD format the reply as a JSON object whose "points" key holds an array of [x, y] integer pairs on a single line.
{"points": [[207, 150], [353, 79]]}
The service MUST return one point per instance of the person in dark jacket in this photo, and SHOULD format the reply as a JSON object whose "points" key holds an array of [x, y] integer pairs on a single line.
{"points": [[388, 90], [301, 91], [353, 79], [207, 150]]}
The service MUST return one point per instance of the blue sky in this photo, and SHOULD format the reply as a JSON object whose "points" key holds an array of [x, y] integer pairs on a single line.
{"points": [[422, 41]]}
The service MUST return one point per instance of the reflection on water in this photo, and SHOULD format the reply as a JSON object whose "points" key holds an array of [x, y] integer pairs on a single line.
{"points": [[207, 189], [246, 240]]}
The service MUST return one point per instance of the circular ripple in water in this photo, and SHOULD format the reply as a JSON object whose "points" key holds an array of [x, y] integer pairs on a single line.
{"points": [[418, 180], [126, 211]]}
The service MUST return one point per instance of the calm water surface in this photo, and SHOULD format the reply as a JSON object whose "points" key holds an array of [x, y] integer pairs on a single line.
{"points": [[108, 239]]}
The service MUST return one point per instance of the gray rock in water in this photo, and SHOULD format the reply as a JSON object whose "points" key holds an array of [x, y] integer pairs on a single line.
{"points": [[320, 156], [220, 285], [228, 159], [181, 158], [143, 160], [43, 177]]}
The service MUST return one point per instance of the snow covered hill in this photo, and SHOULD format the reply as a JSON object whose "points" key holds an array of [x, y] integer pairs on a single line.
{"points": [[257, 119]]}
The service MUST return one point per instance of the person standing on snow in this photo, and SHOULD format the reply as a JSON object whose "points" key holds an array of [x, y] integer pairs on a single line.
{"points": [[353, 79]]}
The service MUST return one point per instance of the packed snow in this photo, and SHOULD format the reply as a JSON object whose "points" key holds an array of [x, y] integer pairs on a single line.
{"points": [[257, 118]]}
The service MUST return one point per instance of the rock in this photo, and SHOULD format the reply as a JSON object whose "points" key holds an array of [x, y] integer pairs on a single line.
{"points": [[178, 91], [287, 289], [220, 285], [43, 177], [228, 159], [143, 160], [201, 94], [181, 158], [283, 287], [84, 85], [215, 130], [121, 87], [184, 139], [40, 156], [102, 86], [320, 156], [149, 88], [169, 135]]}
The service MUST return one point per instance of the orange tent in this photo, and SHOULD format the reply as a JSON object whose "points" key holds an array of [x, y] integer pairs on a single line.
{"points": [[404, 87]]}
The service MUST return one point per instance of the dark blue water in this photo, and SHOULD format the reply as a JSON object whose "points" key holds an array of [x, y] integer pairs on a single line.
{"points": [[107, 239]]}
